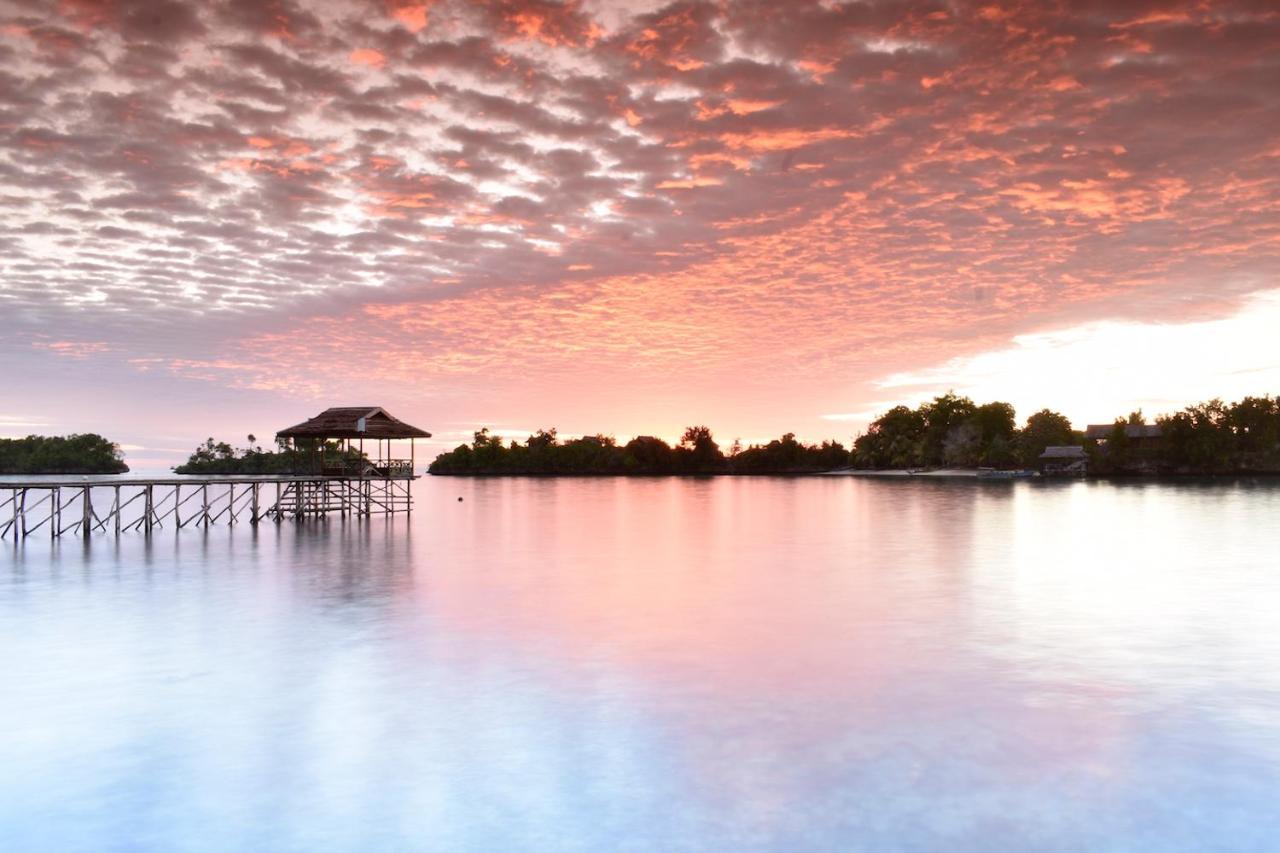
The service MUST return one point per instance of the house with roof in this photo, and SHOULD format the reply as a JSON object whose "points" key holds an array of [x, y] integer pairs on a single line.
{"points": [[1126, 448], [1064, 461]]}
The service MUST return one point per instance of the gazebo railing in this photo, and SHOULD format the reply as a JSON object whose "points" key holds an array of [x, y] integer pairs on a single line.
{"points": [[348, 467]]}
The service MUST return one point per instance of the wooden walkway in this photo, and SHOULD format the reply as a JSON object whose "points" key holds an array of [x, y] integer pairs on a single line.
{"points": [[61, 507]]}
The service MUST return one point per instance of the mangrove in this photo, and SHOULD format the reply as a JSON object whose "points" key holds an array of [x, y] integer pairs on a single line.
{"points": [[219, 457], [82, 453], [697, 453]]}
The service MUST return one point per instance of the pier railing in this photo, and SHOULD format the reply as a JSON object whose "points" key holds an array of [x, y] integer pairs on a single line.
{"points": [[58, 508]]}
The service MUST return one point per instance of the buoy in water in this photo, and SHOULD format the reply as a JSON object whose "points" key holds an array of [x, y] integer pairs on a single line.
{"points": [[459, 499]]}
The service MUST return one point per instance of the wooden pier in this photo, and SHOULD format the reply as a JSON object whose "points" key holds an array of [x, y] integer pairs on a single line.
{"points": [[60, 507], [346, 482]]}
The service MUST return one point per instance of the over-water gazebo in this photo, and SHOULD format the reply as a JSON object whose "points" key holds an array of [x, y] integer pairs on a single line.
{"points": [[347, 424]]}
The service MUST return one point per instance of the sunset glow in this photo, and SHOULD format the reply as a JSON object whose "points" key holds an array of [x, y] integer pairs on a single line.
{"points": [[629, 217]]}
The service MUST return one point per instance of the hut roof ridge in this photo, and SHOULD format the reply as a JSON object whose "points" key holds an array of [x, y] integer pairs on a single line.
{"points": [[346, 422]]}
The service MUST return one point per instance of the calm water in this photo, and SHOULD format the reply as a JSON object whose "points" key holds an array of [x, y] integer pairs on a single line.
{"points": [[730, 664]]}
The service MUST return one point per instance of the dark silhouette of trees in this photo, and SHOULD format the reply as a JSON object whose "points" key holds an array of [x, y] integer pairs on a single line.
{"points": [[696, 454], [83, 453], [896, 439], [1212, 437], [648, 455], [949, 430], [219, 457], [788, 456], [953, 431], [1216, 438], [1255, 422], [996, 430], [1044, 429]]}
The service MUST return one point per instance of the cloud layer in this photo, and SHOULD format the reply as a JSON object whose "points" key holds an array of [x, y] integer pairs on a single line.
{"points": [[762, 202]]}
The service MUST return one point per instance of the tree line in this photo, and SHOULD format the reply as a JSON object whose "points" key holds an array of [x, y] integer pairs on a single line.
{"points": [[1221, 438], [697, 452], [949, 431], [955, 432], [83, 453], [1206, 438]]}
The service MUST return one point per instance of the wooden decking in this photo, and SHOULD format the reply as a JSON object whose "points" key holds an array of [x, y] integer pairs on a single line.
{"points": [[63, 506]]}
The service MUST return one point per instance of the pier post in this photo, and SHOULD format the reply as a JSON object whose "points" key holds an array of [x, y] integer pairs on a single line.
{"points": [[253, 511], [204, 504], [55, 512], [117, 510], [85, 512], [147, 510], [23, 514]]}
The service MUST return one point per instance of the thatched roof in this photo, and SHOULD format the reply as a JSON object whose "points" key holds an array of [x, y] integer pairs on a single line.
{"points": [[1103, 431], [353, 422], [1063, 451]]}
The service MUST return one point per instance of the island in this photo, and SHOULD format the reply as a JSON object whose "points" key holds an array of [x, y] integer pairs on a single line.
{"points": [[83, 453], [697, 453]]}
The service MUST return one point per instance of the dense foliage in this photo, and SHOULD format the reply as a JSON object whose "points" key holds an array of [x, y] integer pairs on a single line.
{"points": [[1207, 438], [1217, 437], [87, 453], [697, 453], [954, 431], [219, 457]]}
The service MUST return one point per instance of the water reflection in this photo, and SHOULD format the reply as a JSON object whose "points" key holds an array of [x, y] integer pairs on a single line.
{"points": [[755, 663]]}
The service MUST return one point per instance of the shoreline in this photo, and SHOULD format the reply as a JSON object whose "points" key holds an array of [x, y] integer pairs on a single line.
{"points": [[941, 473]]}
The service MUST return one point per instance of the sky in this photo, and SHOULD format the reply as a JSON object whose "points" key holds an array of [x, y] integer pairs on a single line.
{"points": [[222, 217]]}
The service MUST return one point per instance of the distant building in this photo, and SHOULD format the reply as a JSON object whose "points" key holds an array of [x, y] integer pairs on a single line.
{"points": [[1064, 461], [1141, 453], [1139, 435]]}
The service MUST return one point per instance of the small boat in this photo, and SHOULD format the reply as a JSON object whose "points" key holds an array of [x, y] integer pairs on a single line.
{"points": [[1001, 474]]}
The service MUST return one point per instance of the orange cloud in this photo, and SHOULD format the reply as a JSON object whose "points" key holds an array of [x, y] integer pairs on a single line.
{"points": [[368, 56], [817, 70], [744, 107], [689, 183], [412, 16], [784, 140]]}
